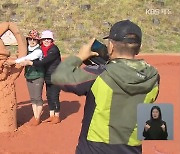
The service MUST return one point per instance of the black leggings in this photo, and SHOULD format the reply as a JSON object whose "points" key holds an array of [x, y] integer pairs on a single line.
{"points": [[52, 94]]}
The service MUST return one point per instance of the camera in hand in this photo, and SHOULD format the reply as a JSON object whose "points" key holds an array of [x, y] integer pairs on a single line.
{"points": [[101, 49]]}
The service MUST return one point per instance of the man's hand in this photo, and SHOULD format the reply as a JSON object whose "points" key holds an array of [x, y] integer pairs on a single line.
{"points": [[85, 51], [26, 63], [147, 127]]}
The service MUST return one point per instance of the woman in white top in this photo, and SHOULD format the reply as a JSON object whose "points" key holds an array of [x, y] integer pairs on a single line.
{"points": [[34, 75]]}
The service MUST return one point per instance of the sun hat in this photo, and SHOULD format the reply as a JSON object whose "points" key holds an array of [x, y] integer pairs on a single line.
{"points": [[120, 31], [47, 34], [34, 34]]}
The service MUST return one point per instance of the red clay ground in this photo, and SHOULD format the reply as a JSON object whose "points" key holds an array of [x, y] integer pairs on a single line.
{"points": [[62, 138]]}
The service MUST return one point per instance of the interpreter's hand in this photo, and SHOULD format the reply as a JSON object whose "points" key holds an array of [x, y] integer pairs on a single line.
{"points": [[147, 127], [26, 63], [163, 127], [85, 51]]}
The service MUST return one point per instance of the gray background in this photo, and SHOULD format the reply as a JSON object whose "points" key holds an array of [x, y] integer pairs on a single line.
{"points": [[143, 114]]}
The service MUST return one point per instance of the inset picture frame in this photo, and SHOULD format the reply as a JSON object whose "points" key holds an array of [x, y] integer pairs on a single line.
{"points": [[155, 121]]}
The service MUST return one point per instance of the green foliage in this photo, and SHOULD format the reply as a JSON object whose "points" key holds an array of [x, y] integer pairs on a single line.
{"points": [[74, 22]]}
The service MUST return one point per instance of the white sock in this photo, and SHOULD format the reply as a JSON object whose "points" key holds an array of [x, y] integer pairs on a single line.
{"points": [[56, 114], [51, 112]]}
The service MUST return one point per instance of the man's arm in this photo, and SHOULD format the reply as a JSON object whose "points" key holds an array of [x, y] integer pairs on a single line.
{"points": [[71, 77], [74, 79]]}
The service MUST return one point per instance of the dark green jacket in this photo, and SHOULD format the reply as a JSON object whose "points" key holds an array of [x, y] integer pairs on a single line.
{"points": [[34, 72], [112, 94]]}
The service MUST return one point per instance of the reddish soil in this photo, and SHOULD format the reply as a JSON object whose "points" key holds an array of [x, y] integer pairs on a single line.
{"points": [[62, 138]]}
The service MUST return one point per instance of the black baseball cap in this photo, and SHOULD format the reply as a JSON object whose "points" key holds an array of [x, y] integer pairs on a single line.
{"points": [[120, 30]]}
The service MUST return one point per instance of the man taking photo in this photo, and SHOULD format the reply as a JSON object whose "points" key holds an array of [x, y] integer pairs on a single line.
{"points": [[112, 91]]}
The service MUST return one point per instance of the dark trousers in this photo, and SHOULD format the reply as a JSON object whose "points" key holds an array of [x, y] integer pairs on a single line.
{"points": [[87, 147], [52, 94]]}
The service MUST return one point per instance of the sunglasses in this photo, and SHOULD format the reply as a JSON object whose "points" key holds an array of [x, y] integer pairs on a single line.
{"points": [[31, 39], [48, 39]]}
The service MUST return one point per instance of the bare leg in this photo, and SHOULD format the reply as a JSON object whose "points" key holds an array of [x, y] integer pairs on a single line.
{"points": [[34, 107], [38, 111], [33, 119]]}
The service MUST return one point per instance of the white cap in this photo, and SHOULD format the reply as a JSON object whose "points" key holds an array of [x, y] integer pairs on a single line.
{"points": [[47, 34]]}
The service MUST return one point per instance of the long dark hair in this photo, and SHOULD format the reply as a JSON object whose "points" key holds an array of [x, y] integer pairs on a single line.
{"points": [[158, 108]]}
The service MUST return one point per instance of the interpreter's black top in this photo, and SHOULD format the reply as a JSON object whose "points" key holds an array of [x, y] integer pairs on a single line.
{"points": [[155, 132]]}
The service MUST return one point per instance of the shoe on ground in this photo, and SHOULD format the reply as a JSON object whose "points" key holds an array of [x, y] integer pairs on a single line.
{"points": [[36, 122], [55, 120], [49, 119]]}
